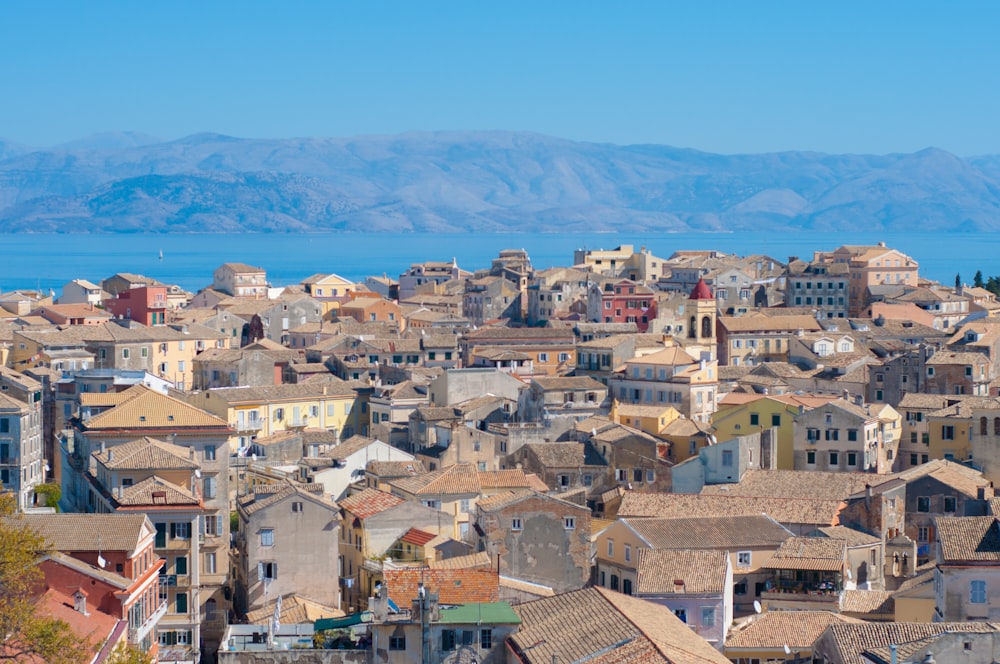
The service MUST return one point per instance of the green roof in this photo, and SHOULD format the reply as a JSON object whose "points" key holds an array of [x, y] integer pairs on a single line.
{"points": [[495, 613]]}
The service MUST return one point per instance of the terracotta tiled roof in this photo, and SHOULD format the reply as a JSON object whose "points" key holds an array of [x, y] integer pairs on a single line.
{"points": [[955, 475], [286, 391], [154, 491], [149, 409], [417, 537], [850, 536], [370, 502], [605, 627], [699, 572], [95, 628], [480, 560], [809, 484], [809, 553], [852, 639], [761, 322], [90, 532], [570, 383], [717, 532], [969, 538], [674, 356], [873, 603], [454, 586], [265, 495], [390, 469], [565, 455], [783, 510], [457, 479], [774, 629], [147, 454]]}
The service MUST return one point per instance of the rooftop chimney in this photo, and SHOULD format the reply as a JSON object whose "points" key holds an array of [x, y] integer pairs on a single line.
{"points": [[80, 601]]}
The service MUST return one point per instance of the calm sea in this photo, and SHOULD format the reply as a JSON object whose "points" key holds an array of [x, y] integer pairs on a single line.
{"points": [[49, 261]]}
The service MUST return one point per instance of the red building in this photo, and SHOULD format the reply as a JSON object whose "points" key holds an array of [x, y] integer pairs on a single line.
{"points": [[628, 302], [111, 557], [146, 305]]}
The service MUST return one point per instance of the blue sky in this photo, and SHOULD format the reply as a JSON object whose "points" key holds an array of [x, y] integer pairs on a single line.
{"points": [[717, 76]]}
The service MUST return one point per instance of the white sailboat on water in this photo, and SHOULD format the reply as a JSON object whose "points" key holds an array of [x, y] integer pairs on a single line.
{"points": [[161, 254]]}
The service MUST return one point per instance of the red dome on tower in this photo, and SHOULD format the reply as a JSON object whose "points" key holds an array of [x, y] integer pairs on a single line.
{"points": [[701, 291]]}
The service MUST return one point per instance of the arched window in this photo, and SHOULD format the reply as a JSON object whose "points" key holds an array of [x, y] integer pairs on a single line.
{"points": [[627, 586], [210, 608], [996, 426], [614, 582], [693, 327], [982, 426], [706, 327]]}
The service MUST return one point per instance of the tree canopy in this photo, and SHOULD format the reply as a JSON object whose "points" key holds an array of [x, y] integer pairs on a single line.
{"points": [[31, 635]]}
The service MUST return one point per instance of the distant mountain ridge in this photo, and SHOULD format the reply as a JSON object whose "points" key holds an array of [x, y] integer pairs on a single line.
{"points": [[481, 182]]}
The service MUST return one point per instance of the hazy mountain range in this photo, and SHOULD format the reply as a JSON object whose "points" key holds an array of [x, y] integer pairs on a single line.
{"points": [[478, 181]]}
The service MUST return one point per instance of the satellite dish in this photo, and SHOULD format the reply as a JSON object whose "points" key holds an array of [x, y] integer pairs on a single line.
{"points": [[47, 469], [101, 561], [849, 574], [756, 606], [254, 457], [788, 651], [197, 472]]}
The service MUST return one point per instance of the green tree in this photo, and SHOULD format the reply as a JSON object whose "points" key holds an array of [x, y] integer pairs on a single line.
{"points": [[958, 281], [30, 633], [977, 280], [126, 654]]}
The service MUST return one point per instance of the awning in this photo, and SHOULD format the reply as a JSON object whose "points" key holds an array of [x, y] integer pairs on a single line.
{"points": [[341, 623]]}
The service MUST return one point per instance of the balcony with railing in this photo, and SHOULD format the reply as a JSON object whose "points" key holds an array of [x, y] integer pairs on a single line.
{"points": [[138, 633]]}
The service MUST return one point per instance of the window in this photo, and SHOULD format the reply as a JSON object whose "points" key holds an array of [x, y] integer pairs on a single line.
{"points": [[947, 432], [180, 530], [144, 351], [297, 507], [727, 458], [397, 642], [210, 563], [923, 504], [949, 503], [543, 357], [852, 458], [681, 614], [923, 534], [754, 419], [210, 486], [125, 353], [621, 475], [161, 536], [834, 459], [267, 537], [611, 548], [447, 640], [977, 592], [267, 571], [210, 453], [743, 559], [650, 476], [776, 420], [708, 616], [637, 474], [811, 457], [515, 524], [740, 588], [628, 553], [486, 639], [852, 435], [181, 565], [211, 606], [180, 603], [569, 523]]}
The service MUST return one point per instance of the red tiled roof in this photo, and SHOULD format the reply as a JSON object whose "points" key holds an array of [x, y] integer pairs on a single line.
{"points": [[453, 586], [417, 537], [369, 502]]}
